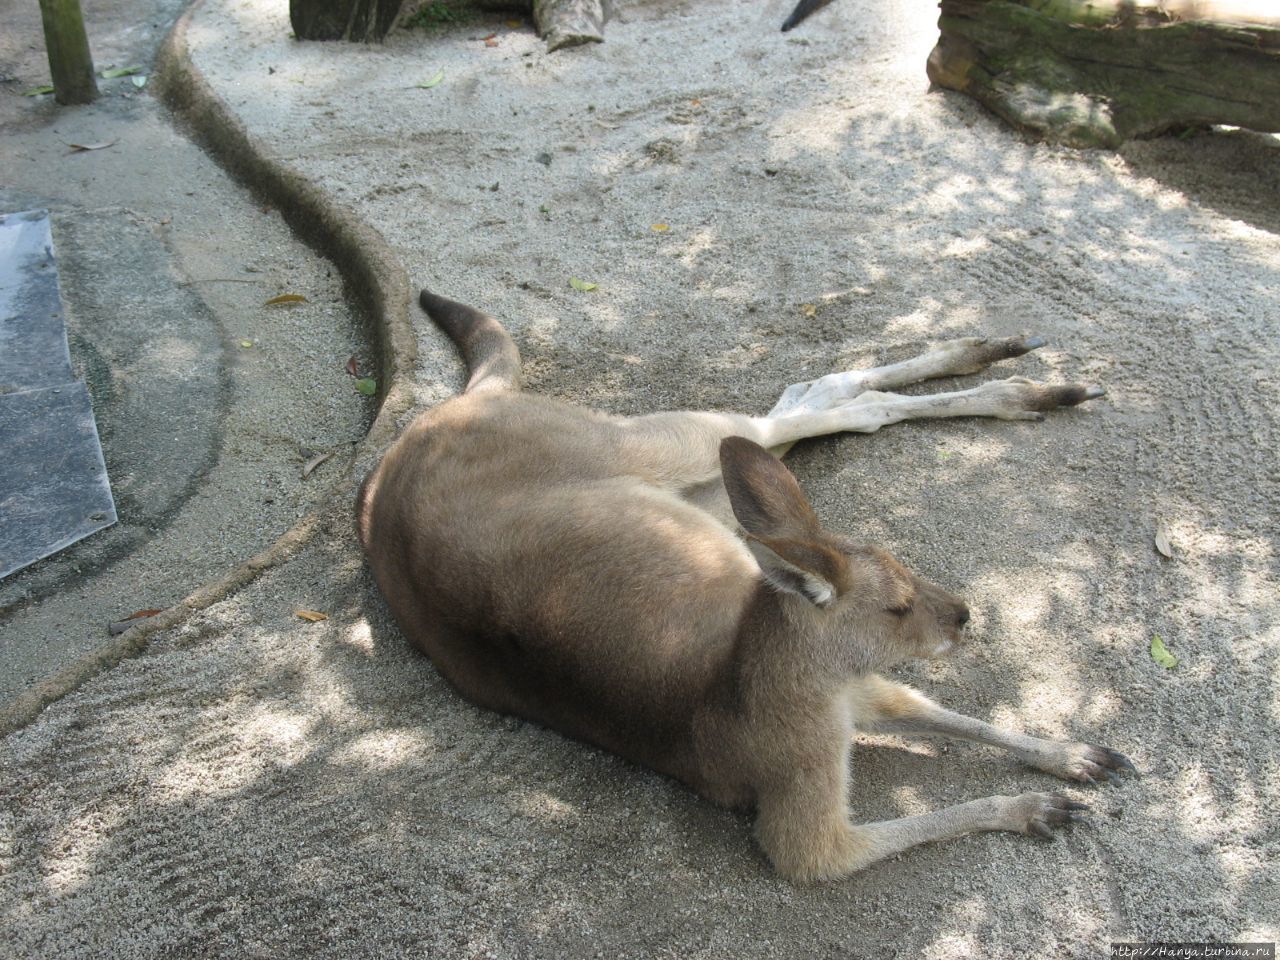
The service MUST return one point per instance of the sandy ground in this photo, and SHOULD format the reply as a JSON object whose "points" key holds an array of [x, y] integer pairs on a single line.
{"points": [[259, 786]]}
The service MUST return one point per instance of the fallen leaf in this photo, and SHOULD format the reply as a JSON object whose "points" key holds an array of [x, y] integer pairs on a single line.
{"points": [[353, 366], [491, 40], [513, 24], [585, 286], [1162, 541], [83, 147], [114, 72], [1160, 653], [247, 344], [428, 84], [38, 91], [808, 309], [312, 616], [660, 227], [286, 298], [367, 385], [314, 462], [140, 82]]}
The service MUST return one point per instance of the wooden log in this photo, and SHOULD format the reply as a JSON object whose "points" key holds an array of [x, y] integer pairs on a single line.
{"points": [[562, 23], [568, 23], [355, 20], [1094, 73], [67, 44]]}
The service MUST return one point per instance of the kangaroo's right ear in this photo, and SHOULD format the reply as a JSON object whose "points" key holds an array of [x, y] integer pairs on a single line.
{"points": [[784, 533]]}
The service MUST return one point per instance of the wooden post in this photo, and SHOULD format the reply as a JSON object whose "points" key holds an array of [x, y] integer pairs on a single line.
{"points": [[70, 62], [1094, 73]]}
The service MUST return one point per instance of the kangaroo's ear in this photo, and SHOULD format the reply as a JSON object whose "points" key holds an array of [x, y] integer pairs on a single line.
{"points": [[794, 552], [765, 496], [808, 569]]}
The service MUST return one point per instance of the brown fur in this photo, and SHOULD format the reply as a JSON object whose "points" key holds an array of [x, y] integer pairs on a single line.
{"points": [[660, 587]]}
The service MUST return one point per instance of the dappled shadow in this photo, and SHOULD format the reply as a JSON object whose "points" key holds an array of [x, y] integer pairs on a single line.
{"points": [[1234, 173]]}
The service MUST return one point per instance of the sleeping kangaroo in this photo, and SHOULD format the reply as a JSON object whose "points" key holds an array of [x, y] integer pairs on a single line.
{"points": [[660, 587]]}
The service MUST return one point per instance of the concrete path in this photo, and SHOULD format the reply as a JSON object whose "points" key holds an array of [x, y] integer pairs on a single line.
{"points": [[755, 209], [208, 403]]}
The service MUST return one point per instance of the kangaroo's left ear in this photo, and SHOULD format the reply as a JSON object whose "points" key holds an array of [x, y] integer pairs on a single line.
{"points": [[793, 550]]}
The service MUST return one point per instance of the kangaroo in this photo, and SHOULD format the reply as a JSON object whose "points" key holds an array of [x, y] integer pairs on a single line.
{"points": [[660, 587]]}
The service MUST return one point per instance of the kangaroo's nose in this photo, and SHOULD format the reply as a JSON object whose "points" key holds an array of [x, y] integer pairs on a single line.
{"points": [[962, 617]]}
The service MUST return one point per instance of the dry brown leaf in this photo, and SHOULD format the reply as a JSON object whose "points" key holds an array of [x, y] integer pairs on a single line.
{"points": [[808, 309], [286, 298], [312, 616], [1162, 541], [85, 147]]}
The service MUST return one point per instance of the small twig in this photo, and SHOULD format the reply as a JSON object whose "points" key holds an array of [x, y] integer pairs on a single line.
{"points": [[217, 280]]}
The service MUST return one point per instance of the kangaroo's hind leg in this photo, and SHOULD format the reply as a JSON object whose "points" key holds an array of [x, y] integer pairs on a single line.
{"points": [[855, 400], [952, 358]]}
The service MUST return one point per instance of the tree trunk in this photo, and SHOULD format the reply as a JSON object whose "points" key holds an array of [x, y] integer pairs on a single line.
{"points": [[1094, 73], [70, 62]]}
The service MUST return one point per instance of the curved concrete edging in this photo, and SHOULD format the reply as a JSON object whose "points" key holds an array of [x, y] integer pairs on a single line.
{"points": [[373, 277], [364, 259]]}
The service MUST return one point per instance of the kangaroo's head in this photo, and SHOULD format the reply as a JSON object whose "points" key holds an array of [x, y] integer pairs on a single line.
{"points": [[872, 608]]}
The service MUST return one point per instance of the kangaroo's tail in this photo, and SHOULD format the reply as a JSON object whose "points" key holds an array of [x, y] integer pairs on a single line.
{"points": [[490, 353]]}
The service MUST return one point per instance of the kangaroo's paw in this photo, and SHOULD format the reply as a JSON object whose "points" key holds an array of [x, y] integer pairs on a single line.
{"points": [[1039, 814], [1018, 398], [1082, 762]]}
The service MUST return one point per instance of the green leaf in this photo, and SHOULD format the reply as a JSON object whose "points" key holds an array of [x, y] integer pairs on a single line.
{"points": [[428, 84], [119, 72], [1160, 653], [367, 385], [38, 91], [247, 344], [585, 286], [140, 82]]}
